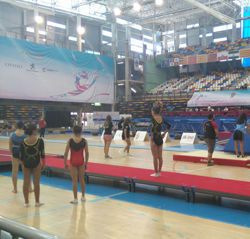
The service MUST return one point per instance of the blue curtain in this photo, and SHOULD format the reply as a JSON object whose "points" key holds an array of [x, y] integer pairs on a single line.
{"points": [[246, 32]]}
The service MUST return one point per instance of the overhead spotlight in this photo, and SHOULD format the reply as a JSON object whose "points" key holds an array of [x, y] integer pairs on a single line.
{"points": [[158, 2], [136, 7], [117, 11], [38, 19], [81, 30]]}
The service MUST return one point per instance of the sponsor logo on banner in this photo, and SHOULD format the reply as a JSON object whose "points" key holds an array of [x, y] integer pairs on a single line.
{"points": [[211, 57], [245, 53], [192, 60], [46, 70], [189, 138], [202, 58], [136, 64], [32, 68], [233, 94], [165, 63], [222, 56], [183, 61], [118, 135], [36, 55], [13, 65], [141, 136]]}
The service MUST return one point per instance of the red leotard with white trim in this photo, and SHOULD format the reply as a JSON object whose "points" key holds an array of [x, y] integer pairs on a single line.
{"points": [[76, 149]]}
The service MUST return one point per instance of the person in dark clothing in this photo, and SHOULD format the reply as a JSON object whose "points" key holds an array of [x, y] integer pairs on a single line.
{"points": [[156, 138], [126, 135], [120, 123], [107, 137], [242, 125], [31, 150], [210, 131]]}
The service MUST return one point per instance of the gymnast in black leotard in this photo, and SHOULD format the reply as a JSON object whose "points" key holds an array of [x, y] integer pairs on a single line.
{"points": [[156, 128], [31, 150], [156, 138]]}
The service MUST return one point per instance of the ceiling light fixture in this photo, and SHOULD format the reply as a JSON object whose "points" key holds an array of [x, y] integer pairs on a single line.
{"points": [[81, 30], [158, 2], [38, 19], [136, 7], [117, 11]]}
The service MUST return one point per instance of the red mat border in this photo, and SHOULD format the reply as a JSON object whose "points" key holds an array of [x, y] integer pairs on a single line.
{"points": [[217, 161]]}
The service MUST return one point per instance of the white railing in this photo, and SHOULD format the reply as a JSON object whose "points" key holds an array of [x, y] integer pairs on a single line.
{"points": [[18, 230]]}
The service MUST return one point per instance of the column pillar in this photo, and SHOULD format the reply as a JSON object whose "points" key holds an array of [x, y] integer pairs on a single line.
{"points": [[177, 41], [24, 35], [114, 47], [79, 116], [127, 65], [36, 29], [79, 36]]}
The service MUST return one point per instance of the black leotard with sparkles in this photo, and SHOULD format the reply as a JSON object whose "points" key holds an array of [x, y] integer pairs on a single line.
{"points": [[156, 128]]}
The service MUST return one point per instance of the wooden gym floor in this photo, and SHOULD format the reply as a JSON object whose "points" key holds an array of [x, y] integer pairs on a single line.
{"points": [[116, 213]]}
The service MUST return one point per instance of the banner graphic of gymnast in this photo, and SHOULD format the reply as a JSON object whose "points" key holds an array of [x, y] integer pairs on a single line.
{"points": [[222, 98], [38, 72]]}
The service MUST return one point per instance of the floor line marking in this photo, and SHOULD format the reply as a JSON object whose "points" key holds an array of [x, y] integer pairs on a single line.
{"points": [[71, 205], [7, 200], [180, 235], [189, 171]]}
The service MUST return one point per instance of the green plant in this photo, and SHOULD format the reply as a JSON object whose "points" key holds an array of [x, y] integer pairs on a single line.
{"points": [[62, 132], [177, 136], [95, 133]]}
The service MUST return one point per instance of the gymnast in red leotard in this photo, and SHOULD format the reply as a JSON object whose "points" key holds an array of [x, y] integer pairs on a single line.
{"points": [[77, 146]]}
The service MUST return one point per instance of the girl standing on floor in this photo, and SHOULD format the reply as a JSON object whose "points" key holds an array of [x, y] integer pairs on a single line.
{"points": [[126, 135], [78, 164], [239, 132], [156, 138], [31, 150], [15, 140], [107, 137]]}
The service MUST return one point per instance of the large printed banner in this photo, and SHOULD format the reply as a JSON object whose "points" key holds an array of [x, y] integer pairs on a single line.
{"points": [[224, 98], [39, 72]]}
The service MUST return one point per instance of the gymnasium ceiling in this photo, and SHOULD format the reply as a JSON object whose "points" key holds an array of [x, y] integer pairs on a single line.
{"points": [[150, 16]]}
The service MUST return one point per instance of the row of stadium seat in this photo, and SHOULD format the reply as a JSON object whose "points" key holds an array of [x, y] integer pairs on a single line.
{"points": [[214, 47], [214, 81]]}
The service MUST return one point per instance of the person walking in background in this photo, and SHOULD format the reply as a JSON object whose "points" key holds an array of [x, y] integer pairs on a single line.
{"points": [[15, 140], [239, 132], [6, 126], [126, 135], [157, 138], [31, 150], [107, 137], [210, 131], [42, 127], [78, 164], [120, 123]]}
